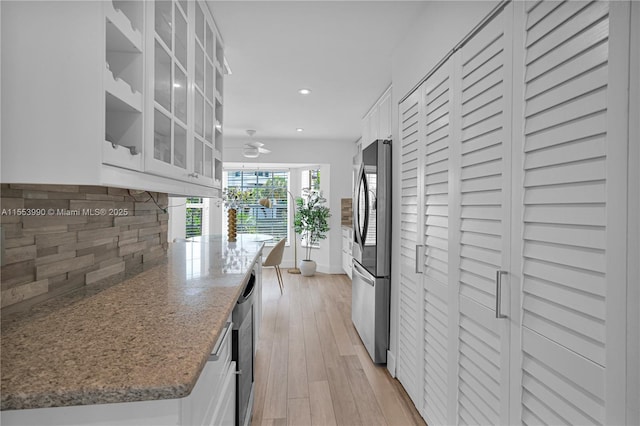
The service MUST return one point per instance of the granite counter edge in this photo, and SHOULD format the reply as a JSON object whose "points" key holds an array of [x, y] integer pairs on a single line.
{"points": [[125, 395]]}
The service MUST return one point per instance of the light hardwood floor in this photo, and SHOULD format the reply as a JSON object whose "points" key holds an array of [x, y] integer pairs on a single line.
{"points": [[311, 367]]}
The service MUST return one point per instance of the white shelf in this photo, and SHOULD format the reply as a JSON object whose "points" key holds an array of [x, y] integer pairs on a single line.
{"points": [[130, 99], [129, 39], [122, 84], [120, 156]]}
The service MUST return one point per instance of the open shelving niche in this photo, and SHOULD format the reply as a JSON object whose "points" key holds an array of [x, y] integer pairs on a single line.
{"points": [[123, 84]]}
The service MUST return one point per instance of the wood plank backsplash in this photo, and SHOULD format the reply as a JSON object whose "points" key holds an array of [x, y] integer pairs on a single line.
{"points": [[346, 212], [61, 237]]}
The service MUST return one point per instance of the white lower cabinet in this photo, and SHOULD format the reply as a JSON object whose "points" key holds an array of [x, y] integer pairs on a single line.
{"points": [[211, 402], [347, 246], [225, 412], [201, 406], [512, 279]]}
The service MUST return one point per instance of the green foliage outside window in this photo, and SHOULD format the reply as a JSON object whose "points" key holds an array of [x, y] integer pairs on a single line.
{"points": [[245, 188], [194, 222]]}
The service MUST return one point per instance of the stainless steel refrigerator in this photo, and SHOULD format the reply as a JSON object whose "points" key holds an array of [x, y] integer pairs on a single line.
{"points": [[372, 249]]}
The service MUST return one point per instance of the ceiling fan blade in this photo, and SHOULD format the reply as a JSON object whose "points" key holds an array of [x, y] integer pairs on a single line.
{"points": [[264, 151], [254, 144], [250, 152]]}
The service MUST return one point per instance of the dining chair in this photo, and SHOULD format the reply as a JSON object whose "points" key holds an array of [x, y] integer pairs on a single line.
{"points": [[274, 258]]}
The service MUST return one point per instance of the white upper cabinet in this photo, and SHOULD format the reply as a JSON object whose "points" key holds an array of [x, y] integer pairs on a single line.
{"points": [[53, 98], [187, 93], [123, 84], [374, 124], [377, 123], [121, 93], [384, 116]]}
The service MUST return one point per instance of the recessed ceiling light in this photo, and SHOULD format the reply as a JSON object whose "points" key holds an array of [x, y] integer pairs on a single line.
{"points": [[177, 85], [304, 91], [299, 129]]}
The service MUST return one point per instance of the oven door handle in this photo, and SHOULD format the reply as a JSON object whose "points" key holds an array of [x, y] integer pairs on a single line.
{"points": [[215, 355], [251, 285]]}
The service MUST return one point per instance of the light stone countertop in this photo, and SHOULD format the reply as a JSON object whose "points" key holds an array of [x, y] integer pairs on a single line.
{"points": [[146, 338]]}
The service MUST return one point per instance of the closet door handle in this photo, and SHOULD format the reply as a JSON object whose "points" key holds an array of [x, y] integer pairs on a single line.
{"points": [[499, 274], [419, 256]]}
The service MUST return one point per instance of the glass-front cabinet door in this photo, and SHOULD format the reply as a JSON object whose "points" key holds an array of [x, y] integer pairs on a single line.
{"points": [[203, 95], [183, 123], [170, 119]]}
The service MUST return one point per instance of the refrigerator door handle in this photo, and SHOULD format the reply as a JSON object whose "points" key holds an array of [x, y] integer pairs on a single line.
{"points": [[358, 270], [356, 211], [365, 190]]}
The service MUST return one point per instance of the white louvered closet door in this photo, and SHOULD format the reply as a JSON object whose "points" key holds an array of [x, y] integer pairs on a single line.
{"points": [[437, 111], [483, 220], [572, 259], [408, 356]]}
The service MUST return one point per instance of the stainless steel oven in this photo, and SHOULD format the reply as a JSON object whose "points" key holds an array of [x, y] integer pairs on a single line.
{"points": [[243, 351]]}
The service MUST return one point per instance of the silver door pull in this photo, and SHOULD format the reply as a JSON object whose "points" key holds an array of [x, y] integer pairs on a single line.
{"points": [[419, 256], [499, 274], [221, 341]]}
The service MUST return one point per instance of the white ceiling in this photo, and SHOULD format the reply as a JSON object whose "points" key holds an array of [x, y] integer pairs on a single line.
{"points": [[341, 50]]}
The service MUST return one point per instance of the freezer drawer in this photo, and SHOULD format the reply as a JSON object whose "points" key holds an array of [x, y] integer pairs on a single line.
{"points": [[370, 311]]}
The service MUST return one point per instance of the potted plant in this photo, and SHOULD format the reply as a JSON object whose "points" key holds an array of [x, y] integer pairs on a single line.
{"points": [[311, 222]]}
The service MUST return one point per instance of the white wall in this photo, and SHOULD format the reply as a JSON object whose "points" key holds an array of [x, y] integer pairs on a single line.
{"points": [[334, 159], [177, 218], [442, 25], [215, 216]]}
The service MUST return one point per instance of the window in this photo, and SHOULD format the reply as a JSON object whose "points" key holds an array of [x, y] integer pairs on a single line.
{"points": [[309, 179], [254, 218], [194, 217]]}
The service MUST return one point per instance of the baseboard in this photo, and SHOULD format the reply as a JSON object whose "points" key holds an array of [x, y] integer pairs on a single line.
{"points": [[322, 268], [330, 269], [391, 363]]}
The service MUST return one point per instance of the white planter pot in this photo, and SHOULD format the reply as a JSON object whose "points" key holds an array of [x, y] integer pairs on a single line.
{"points": [[307, 267]]}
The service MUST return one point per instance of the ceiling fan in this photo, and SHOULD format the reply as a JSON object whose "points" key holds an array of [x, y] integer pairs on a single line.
{"points": [[253, 149]]}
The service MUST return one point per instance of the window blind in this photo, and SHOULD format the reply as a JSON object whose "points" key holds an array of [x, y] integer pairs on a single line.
{"points": [[254, 218]]}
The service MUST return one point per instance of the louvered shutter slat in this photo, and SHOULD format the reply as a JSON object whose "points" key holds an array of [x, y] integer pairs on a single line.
{"points": [[437, 113], [411, 134], [565, 215], [484, 98]]}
